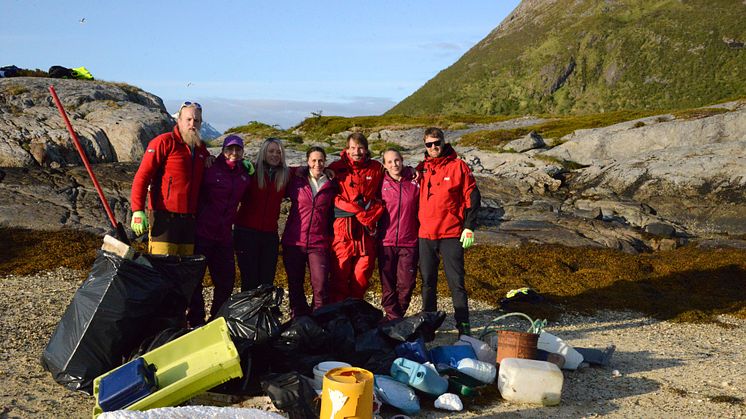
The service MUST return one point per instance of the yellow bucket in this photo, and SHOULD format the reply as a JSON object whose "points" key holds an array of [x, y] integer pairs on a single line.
{"points": [[347, 392]]}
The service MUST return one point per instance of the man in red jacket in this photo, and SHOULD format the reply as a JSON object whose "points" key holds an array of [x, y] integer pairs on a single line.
{"points": [[449, 200], [170, 174], [357, 209]]}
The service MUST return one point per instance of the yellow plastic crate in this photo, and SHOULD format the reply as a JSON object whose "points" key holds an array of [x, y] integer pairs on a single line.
{"points": [[187, 366]]}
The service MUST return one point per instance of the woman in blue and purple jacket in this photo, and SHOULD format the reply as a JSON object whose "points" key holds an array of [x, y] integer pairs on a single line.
{"points": [[308, 232]]}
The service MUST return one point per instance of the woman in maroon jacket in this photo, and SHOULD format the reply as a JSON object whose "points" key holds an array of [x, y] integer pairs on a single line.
{"points": [[308, 234], [255, 235], [223, 185], [397, 253]]}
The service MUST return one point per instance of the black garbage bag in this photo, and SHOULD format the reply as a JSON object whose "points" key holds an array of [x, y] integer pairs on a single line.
{"points": [[292, 393], [301, 345], [362, 315], [410, 328], [375, 351], [120, 304], [158, 340], [253, 316], [253, 319]]}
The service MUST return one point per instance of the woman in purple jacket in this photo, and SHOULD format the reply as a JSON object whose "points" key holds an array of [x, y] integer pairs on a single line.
{"points": [[398, 254], [308, 233], [223, 185]]}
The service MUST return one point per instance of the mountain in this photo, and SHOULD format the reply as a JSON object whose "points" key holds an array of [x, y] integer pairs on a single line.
{"points": [[579, 56]]}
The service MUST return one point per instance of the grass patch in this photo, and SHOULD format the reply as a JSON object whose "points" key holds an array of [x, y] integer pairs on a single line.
{"points": [[493, 140], [320, 128], [256, 130], [698, 113], [16, 89]]}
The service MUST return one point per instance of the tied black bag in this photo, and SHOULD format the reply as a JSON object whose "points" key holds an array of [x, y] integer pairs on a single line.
{"points": [[121, 303], [253, 319], [292, 393]]}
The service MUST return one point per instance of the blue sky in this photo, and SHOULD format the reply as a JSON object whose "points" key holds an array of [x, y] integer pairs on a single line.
{"points": [[272, 61]]}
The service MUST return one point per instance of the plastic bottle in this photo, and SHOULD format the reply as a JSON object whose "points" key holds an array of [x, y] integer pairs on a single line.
{"points": [[551, 343], [482, 371], [530, 381], [482, 349], [418, 376]]}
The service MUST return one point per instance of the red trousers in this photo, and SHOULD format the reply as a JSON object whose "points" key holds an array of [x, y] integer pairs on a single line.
{"points": [[352, 266]]}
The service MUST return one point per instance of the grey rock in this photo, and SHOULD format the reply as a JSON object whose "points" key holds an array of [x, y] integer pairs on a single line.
{"points": [[531, 141], [114, 122]]}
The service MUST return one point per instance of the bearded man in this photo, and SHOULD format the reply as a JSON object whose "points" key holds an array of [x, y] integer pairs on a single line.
{"points": [[170, 174]]}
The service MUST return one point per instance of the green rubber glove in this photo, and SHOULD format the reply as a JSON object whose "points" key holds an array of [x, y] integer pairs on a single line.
{"points": [[139, 222], [248, 166], [467, 238]]}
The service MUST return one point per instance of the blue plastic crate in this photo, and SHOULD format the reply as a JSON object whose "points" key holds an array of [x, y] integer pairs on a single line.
{"points": [[134, 381]]}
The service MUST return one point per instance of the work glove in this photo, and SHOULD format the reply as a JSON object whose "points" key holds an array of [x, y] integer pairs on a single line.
{"points": [[139, 222], [467, 238], [248, 166]]}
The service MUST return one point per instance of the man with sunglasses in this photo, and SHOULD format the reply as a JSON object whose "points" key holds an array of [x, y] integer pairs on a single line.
{"points": [[449, 200], [170, 174]]}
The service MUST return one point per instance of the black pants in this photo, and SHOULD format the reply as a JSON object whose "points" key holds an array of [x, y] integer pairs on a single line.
{"points": [[256, 253], [453, 263]]}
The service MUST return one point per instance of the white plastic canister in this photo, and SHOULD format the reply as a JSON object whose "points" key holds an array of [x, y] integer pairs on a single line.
{"points": [[482, 349], [551, 343], [530, 381], [321, 368], [482, 371]]}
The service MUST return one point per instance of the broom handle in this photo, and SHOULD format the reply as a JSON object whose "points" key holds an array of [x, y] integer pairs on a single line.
{"points": [[83, 157]]}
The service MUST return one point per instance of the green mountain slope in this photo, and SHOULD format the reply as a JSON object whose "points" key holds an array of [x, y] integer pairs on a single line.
{"points": [[578, 56]]}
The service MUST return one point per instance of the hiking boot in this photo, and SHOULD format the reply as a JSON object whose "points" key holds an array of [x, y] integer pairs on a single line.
{"points": [[463, 329]]}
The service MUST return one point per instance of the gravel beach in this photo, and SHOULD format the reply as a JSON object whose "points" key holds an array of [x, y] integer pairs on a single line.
{"points": [[660, 369]]}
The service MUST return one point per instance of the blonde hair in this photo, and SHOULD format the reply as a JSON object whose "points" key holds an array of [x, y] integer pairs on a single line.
{"points": [[262, 168]]}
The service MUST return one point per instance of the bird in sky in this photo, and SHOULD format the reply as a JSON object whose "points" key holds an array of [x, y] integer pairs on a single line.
{"points": [[81, 21], [189, 84]]}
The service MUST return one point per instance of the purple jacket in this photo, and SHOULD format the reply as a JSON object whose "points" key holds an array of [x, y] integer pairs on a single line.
{"points": [[222, 188], [399, 224], [309, 222]]}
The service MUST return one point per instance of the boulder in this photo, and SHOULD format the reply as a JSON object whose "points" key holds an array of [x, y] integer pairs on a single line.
{"points": [[114, 122]]}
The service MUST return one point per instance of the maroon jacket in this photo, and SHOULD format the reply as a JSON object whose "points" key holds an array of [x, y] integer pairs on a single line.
{"points": [[310, 217], [222, 189], [173, 172], [399, 223]]}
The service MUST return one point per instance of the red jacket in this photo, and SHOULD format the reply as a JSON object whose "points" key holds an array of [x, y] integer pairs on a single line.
{"points": [[309, 219], [222, 188], [398, 225], [448, 196], [260, 208], [357, 206], [173, 174]]}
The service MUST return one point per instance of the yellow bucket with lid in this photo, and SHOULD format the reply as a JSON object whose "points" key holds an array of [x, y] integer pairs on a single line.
{"points": [[347, 392]]}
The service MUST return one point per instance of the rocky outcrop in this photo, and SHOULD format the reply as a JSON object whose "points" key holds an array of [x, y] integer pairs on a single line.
{"points": [[113, 121]]}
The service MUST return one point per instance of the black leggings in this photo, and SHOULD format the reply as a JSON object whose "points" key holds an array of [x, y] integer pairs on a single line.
{"points": [[256, 253]]}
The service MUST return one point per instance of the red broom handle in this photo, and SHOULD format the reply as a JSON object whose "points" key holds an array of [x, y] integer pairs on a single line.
{"points": [[83, 157]]}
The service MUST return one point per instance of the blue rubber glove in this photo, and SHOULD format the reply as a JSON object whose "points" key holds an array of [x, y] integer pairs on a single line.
{"points": [[248, 166], [467, 238], [139, 222]]}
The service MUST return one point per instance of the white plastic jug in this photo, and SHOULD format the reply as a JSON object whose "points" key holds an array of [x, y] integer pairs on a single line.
{"points": [[530, 381], [551, 343], [482, 371], [482, 349]]}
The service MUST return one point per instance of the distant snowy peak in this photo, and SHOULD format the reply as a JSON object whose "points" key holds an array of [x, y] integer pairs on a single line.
{"points": [[207, 132]]}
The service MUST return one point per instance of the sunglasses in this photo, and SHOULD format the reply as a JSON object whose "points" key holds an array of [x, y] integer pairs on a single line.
{"points": [[188, 104], [438, 143]]}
